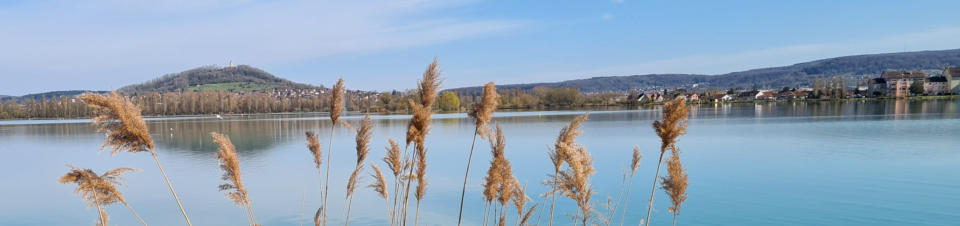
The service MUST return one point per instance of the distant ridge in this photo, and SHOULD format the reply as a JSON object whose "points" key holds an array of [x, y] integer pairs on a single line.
{"points": [[801, 74], [47, 95], [255, 78]]}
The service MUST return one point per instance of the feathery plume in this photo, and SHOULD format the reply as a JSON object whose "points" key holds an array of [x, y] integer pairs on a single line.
{"points": [[675, 183], [336, 105], [352, 182], [526, 216], [126, 130], [363, 139], [635, 163], [99, 190], [418, 128], [563, 149], [121, 120], [380, 183], [429, 84], [673, 125], [482, 112], [393, 158], [230, 164], [313, 144]]}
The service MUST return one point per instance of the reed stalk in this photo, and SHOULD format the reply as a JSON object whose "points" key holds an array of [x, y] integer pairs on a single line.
{"points": [[394, 161], [481, 113], [99, 190], [126, 131], [417, 130], [673, 125], [230, 164], [563, 149], [675, 183], [336, 108], [363, 149], [635, 164]]}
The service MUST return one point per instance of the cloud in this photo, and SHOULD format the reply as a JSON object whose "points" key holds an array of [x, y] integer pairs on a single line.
{"points": [[144, 37], [607, 16]]}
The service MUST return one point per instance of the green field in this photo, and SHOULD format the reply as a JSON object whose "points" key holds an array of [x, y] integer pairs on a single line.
{"points": [[234, 87]]}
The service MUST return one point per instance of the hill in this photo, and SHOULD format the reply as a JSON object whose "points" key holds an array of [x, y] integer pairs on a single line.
{"points": [[240, 78], [47, 95], [801, 74]]}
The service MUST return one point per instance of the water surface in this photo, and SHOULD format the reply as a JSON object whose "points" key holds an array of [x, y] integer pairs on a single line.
{"points": [[855, 163]]}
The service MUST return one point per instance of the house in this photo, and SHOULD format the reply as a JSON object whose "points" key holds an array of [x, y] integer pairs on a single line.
{"points": [[748, 95], [877, 87], [898, 82], [765, 95], [728, 97], [936, 86], [650, 97], [952, 74]]}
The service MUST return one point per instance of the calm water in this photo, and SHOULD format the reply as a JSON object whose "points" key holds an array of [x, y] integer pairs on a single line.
{"points": [[872, 163]]}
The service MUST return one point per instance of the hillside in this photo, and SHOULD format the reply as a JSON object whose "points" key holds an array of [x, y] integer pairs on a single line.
{"points": [[47, 95], [801, 74], [233, 79]]}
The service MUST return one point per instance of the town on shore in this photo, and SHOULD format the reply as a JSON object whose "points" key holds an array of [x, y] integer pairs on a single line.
{"points": [[199, 101]]}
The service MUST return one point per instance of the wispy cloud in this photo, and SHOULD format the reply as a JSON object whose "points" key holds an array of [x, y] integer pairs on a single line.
{"points": [[145, 37], [607, 16]]}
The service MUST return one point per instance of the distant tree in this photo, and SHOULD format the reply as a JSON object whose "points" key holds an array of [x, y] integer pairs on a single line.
{"points": [[916, 88], [449, 101]]}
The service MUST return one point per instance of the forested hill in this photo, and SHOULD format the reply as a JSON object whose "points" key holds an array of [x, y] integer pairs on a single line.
{"points": [[47, 95], [234, 79], [801, 74]]}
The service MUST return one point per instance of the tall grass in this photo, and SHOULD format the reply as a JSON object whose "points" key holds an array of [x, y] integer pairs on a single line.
{"points": [[634, 165], [563, 150], [417, 131], [230, 164], [126, 130], [675, 183], [481, 114], [99, 190], [673, 125], [363, 149], [336, 108], [394, 160], [574, 181]]}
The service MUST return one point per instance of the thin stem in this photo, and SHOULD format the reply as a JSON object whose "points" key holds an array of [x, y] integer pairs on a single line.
{"points": [[613, 213], [349, 205], [654, 189], [626, 202], [172, 191], [396, 190], [135, 213], [466, 174], [252, 218], [103, 221], [416, 218], [406, 198], [553, 194], [326, 181], [675, 218]]}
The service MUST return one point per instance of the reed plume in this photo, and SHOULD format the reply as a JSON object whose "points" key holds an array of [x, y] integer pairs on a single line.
{"points": [[230, 164], [562, 150], [126, 130], [481, 114], [336, 108], [526, 216], [574, 182], [99, 190], [675, 183], [519, 199], [394, 161], [313, 144], [379, 185], [673, 125], [363, 148], [634, 165], [417, 130]]}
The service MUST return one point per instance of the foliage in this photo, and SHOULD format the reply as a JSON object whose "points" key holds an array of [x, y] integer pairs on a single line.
{"points": [[449, 101]]}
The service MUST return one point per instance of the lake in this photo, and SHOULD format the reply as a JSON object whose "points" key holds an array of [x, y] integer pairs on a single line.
{"points": [[853, 163]]}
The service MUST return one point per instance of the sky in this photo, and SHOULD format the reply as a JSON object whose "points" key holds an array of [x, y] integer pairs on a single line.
{"points": [[48, 45]]}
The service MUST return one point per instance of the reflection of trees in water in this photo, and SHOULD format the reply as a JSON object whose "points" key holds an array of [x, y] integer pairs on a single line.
{"points": [[251, 137]]}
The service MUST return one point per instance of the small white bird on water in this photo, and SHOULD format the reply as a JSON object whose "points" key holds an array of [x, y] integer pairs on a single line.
{"points": [[218, 116]]}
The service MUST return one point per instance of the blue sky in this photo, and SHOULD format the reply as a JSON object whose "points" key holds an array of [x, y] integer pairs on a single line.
{"points": [[50, 45]]}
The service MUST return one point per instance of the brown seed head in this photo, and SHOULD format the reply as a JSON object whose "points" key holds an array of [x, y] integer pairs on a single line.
{"points": [[363, 139], [635, 164], [122, 122], [230, 164], [314, 145], [354, 177], [674, 122], [483, 111], [429, 84], [393, 158], [566, 142], [94, 188], [675, 183], [380, 183], [336, 105]]}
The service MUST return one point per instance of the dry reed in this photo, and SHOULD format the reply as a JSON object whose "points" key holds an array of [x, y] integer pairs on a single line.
{"points": [[230, 164], [336, 108], [562, 150], [99, 190], [363, 149], [634, 165], [126, 130], [675, 183], [673, 125], [313, 144], [481, 113], [417, 130], [394, 161], [379, 185]]}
